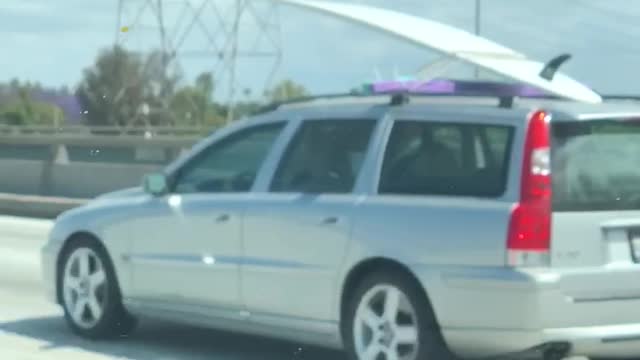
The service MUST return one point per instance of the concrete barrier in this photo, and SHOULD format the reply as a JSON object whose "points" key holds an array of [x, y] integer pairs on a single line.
{"points": [[36, 206], [21, 176], [46, 171], [72, 180], [87, 180]]}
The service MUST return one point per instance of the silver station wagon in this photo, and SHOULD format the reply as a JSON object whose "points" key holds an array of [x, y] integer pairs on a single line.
{"points": [[393, 226]]}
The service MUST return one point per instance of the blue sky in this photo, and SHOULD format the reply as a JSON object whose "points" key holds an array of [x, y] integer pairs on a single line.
{"points": [[51, 41]]}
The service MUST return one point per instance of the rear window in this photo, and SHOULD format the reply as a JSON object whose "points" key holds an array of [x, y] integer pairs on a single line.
{"points": [[454, 159], [596, 165]]}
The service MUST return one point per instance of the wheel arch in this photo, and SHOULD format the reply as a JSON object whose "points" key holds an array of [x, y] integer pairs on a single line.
{"points": [[369, 266]]}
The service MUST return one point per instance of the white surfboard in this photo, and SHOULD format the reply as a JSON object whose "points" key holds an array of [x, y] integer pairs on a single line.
{"points": [[457, 44]]}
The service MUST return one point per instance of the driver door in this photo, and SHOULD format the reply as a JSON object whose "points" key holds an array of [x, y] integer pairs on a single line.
{"points": [[187, 245]]}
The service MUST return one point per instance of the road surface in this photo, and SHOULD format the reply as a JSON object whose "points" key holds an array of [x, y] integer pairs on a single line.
{"points": [[33, 329]]}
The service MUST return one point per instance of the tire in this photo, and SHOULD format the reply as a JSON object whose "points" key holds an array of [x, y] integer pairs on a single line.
{"points": [[90, 294], [414, 333]]}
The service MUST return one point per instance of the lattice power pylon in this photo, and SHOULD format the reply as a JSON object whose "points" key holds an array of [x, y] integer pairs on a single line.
{"points": [[226, 34]]}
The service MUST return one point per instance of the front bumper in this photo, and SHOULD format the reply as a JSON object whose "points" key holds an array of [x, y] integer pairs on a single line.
{"points": [[485, 312]]}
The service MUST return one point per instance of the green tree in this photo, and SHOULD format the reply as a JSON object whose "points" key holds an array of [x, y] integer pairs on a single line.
{"points": [[286, 90], [247, 108], [23, 110], [204, 83], [193, 105], [117, 89]]}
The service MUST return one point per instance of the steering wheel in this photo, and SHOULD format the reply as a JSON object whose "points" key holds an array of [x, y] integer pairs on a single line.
{"points": [[243, 181]]}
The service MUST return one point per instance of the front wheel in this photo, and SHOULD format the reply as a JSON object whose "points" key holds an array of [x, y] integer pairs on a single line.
{"points": [[388, 318], [90, 293]]}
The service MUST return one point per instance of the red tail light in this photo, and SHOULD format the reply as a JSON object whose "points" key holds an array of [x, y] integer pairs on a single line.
{"points": [[529, 234]]}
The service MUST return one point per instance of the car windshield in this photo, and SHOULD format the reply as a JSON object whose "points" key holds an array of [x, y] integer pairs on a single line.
{"points": [[596, 165]]}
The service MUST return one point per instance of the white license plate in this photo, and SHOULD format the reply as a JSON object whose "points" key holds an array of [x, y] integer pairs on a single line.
{"points": [[634, 238]]}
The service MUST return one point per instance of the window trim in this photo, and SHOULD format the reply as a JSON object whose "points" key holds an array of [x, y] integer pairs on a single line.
{"points": [[291, 141], [506, 171], [174, 177]]}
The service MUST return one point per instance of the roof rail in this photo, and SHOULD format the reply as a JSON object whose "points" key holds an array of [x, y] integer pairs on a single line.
{"points": [[275, 105], [401, 92]]}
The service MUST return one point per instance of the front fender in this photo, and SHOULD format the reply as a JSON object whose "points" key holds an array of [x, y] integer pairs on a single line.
{"points": [[108, 222]]}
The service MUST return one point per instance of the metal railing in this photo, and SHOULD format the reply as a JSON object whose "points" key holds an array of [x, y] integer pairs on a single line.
{"points": [[71, 130]]}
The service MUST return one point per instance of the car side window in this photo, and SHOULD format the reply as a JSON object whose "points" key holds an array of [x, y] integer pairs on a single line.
{"points": [[325, 156], [229, 165], [455, 159]]}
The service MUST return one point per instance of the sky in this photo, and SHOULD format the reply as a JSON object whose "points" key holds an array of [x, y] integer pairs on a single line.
{"points": [[52, 41]]}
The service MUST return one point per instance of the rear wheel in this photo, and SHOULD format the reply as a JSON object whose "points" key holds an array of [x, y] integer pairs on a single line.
{"points": [[388, 318], [90, 293]]}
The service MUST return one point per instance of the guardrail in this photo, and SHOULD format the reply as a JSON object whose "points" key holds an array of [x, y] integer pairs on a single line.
{"points": [[104, 130], [171, 141], [164, 141]]}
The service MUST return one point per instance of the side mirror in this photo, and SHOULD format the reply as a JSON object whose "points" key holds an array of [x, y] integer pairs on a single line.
{"points": [[155, 184]]}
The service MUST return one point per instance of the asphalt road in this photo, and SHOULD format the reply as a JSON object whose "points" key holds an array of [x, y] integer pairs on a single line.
{"points": [[33, 329]]}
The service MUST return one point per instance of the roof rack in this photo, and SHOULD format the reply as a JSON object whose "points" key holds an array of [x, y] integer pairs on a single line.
{"points": [[400, 92]]}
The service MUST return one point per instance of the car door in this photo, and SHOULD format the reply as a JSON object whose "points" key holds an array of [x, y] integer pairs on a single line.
{"points": [[187, 245], [297, 232]]}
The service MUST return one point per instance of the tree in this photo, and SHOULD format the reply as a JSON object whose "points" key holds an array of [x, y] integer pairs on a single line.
{"points": [[204, 83], [193, 105], [247, 108], [286, 90], [23, 110], [121, 84]]}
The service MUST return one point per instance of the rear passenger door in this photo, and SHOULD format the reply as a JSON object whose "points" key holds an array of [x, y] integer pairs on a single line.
{"points": [[441, 197], [297, 232]]}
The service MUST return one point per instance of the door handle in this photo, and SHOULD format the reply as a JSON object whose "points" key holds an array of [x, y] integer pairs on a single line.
{"points": [[223, 218], [330, 220]]}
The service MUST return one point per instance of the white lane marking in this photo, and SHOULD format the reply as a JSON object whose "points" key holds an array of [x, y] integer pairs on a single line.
{"points": [[23, 233], [29, 229], [6, 219], [27, 258]]}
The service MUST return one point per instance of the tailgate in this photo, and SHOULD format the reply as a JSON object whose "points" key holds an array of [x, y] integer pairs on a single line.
{"points": [[586, 239]]}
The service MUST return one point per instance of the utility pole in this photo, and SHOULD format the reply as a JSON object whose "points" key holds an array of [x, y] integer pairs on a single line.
{"points": [[118, 21], [233, 57], [478, 29]]}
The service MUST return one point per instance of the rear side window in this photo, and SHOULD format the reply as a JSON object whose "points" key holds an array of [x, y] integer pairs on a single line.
{"points": [[455, 159], [325, 156], [596, 165]]}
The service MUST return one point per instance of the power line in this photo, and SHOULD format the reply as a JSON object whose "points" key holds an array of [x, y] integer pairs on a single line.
{"points": [[219, 25]]}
